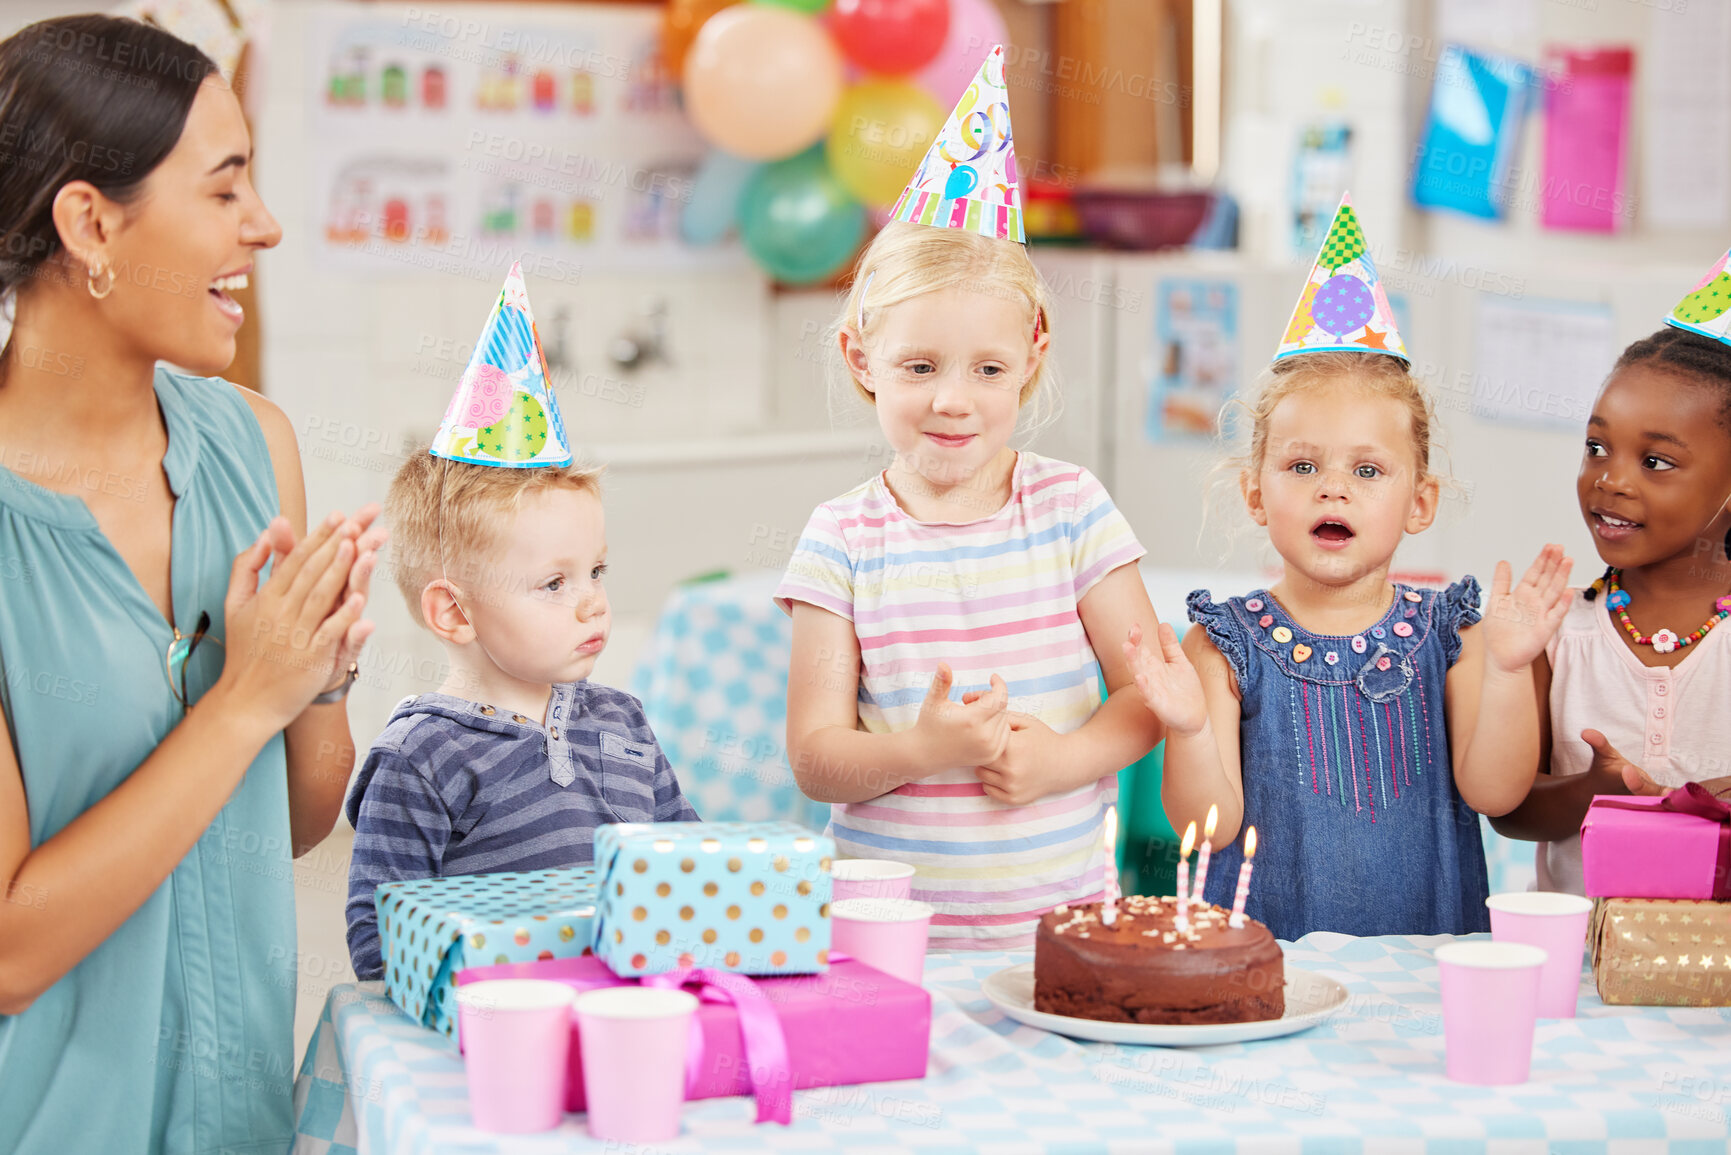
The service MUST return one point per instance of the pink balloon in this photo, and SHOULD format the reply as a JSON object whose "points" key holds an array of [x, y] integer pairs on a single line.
{"points": [[761, 82], [975, 26]]}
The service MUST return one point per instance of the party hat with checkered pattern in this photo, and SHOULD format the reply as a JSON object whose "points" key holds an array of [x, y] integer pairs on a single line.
{"points": [[1707, 310], [504, 412], [1343, 307]]}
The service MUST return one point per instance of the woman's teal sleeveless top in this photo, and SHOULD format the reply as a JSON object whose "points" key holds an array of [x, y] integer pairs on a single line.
{"points": [[176, 1034]]}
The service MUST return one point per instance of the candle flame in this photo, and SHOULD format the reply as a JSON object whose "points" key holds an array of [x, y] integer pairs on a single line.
{"points": [[1189, 841], [1250, 844], [1213, 818], [1111, 829]]}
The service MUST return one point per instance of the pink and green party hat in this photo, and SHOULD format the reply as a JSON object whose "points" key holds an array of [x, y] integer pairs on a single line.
{"points": [[1343, 307], [968, 177], [504, 412], [1707, 310]]}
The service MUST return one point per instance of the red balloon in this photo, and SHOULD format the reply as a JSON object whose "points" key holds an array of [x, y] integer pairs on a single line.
{"points": [[891, 36]]}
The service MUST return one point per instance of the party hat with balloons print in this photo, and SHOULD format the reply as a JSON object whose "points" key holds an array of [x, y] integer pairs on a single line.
{"points": [[1707, 310], [1343, 307], [504, 412], [968, 177]]}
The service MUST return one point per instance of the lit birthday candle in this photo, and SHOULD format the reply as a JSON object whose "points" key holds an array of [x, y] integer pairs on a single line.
{"points": [[1237, 919], [1183, 919], [1109, 909], [1202, 855]]}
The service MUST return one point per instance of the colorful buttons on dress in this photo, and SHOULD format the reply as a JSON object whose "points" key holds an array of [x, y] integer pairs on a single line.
{"points": [[1358, 644], [1281, 634], [1413, 596], [1265, 620], [1402, 630], [1300, 652], [1254, 605], [1331, 657], [1378, 632], [1382, 663]]}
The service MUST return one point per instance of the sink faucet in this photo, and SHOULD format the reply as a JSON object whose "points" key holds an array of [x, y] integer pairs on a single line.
{"points": [[558, 357], [645, 342]]}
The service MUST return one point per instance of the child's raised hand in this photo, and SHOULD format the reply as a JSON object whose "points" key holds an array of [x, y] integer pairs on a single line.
{"points": [[1168, 683], [1519, 621], [1607, 763], [967, 733]]}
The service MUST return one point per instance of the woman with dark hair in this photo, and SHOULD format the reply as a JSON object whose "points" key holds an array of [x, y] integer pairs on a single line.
{"points": [[173, 722]]}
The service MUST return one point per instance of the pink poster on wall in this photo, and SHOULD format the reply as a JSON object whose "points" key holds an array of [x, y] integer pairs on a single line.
{"points": [[1586, 137]]}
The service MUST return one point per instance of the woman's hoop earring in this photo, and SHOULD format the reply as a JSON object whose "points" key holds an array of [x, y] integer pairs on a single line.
{"points": [[107, 286]]}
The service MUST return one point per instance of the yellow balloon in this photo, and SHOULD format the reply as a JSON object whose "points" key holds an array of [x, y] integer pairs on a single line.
{"points": [[880, 132]]}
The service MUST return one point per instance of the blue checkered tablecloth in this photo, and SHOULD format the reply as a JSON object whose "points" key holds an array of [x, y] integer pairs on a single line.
{"points": [[1370, 1079]]}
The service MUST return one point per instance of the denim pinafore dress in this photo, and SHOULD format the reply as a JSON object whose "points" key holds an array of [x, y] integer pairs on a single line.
{"points": [[1346, 769], [176, 1034]]}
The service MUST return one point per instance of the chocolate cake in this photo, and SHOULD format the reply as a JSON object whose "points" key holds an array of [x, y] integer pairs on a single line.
{"points": [[1142, 970]]}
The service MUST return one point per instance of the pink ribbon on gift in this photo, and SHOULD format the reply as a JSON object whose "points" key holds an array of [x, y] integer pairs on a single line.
{"points": [[1693, 799], [762, 1041]]}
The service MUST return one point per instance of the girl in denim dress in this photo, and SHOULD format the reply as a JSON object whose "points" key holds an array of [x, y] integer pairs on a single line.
{"points": [[1360, 725]]}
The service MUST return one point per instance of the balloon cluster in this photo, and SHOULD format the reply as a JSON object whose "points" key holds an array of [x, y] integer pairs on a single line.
{"points": [[816, 114]]}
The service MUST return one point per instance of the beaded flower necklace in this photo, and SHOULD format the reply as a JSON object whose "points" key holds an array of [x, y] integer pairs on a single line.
{"points": [[1617, 601]]}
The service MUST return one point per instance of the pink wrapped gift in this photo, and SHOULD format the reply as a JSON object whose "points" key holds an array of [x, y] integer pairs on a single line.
{"points": [[854, 1024], [1675, 846]]}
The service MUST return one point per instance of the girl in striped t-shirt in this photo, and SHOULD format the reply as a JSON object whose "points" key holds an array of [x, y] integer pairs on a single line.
{"points": [[954, 615]]}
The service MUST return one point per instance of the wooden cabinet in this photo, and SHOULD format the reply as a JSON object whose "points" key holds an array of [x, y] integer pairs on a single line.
{"points": [[1119, 73]]}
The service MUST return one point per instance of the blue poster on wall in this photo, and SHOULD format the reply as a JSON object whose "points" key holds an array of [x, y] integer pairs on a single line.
{"points": [[1194, 366], [1472, 133]]}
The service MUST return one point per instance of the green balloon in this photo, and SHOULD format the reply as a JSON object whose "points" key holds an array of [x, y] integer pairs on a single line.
{"points": [[809, 7], [798, 221]]}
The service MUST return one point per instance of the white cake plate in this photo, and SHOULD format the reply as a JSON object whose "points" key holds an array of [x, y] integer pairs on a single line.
{"points": [[1310, 998]]}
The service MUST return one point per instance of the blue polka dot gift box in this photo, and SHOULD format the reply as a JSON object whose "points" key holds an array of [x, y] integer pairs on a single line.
{"points": [[747, 897], [431, 928]]}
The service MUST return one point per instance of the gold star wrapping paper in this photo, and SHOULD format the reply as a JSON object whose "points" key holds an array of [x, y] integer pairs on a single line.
{"points": [[1661, 952]]}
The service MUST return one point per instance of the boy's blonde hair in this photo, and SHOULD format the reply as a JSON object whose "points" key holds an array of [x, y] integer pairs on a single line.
{"points": [[907, 260], [445, 516]]}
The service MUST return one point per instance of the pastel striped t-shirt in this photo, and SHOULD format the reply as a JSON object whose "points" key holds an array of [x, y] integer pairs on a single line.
{"points": [[996, 595]]}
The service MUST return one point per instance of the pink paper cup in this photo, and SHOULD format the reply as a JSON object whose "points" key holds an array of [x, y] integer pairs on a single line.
{"points": [[633, 1042], [869, 878], [886, 933], [1490, 994], [516, 1039], [1555, 923]]}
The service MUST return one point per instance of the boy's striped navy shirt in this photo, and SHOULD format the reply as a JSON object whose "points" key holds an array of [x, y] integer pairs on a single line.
{"points": [[454, 787]]}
